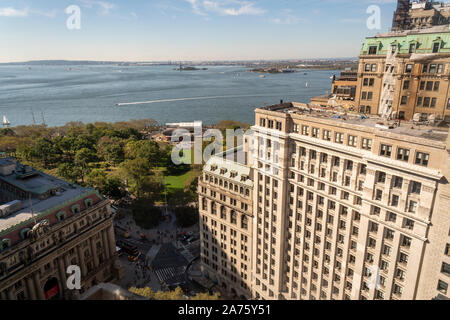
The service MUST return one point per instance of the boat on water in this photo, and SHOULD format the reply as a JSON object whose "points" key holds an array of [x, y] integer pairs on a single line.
{"points": [[262, 76], [6, 122]]}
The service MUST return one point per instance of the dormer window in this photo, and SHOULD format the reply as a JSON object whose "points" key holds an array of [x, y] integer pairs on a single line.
{"points": [[88, 203], [373, 49], [244, 177], [393, 48], [412, 48], [24, 233], [61, 216], [75, 209], [213, 167], [233, 174], [5, 244], [223, 170], [436, 47]]}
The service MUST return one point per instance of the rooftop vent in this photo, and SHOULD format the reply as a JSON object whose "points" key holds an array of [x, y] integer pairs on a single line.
{"points": [[10, 207]]}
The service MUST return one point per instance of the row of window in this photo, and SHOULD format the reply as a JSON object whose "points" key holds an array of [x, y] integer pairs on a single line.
{"points": [[367, 95], [400, 274], [227, 185], [368, 82], [426, 102], [403, 154], [338, 137], [429, 85], [370, 67], [270, 124]]}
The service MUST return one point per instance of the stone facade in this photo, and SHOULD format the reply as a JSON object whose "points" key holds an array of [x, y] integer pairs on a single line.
{"points": [[226, 225], [420, 14], [346, 208], [37, 249], [402, 74]]}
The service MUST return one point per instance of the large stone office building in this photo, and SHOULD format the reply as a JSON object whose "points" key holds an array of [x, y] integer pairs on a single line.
{"points": [[47, 225], [402, 74], [420, 14], [342, 207], [226, 223]]}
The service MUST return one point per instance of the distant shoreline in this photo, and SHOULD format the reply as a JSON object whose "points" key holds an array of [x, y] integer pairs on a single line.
{"points": [[315, 64]]}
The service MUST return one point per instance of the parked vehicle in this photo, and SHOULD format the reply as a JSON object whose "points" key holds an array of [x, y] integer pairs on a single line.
{"points": [[128, 248]]}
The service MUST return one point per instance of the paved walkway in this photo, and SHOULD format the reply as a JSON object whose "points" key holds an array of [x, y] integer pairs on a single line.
{"points": [[166, 232], [136, 277]]}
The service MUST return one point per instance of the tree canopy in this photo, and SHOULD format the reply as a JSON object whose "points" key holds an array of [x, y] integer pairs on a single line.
{"points": [[176, 294]]}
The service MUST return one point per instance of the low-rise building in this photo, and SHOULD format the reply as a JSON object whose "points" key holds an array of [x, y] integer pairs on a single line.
{"points": [[47, 225]]}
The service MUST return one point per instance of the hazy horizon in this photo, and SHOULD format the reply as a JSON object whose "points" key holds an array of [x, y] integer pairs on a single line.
{"points": [[177, 61]]}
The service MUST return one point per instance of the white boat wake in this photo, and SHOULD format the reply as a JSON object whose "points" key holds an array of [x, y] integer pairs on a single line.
{"points": [[196, 98]]}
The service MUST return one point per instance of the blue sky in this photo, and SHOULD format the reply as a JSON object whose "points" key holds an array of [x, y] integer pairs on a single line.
{"points": [[146, 30]]}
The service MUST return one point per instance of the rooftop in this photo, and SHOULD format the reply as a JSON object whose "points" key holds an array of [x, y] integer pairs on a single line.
{"points": [[234, 168], [404, 33], [408, 128], [47, 192]]}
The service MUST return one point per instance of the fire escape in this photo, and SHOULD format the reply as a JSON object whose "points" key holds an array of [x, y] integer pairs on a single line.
{"points": [[387, 93]]}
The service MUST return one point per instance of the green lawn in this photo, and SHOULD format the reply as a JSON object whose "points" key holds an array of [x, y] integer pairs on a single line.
{"points": [[178, 182]]}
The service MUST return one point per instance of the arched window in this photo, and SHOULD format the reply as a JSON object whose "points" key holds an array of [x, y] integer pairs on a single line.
{"points": [[61, 216], [5, 244], [204, 204], [244, 222], [223, 213], [233, 217], [88, 203], [213, 208], [24, 233], [75, 208]]}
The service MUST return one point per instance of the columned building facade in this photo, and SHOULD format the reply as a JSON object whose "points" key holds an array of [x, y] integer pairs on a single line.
{"points": [[38, 248]]}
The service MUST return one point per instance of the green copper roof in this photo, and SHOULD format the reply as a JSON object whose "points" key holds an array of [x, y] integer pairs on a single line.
{"points": [[424, 42]]}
